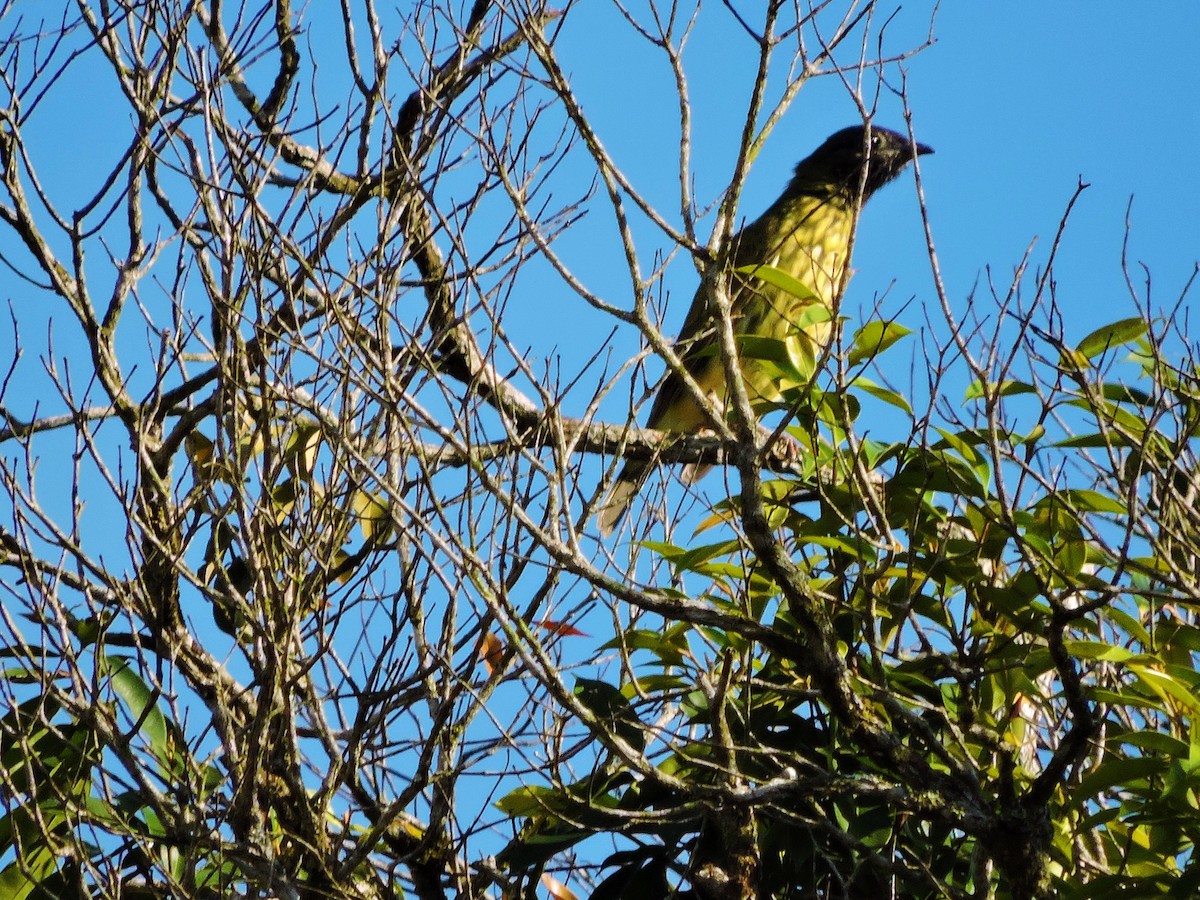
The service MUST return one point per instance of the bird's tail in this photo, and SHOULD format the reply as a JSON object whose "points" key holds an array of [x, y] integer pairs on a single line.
{"points": [[619, 497], [616, 502]]}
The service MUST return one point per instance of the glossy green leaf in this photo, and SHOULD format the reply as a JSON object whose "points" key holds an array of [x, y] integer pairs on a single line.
{"points": [[779, 279], [612, 708], [1098, 650], [872, 339], [881, 393], [1010, 388], [1110, 336]]}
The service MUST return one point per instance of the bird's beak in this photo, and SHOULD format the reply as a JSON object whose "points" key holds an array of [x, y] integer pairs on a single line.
{"points": [[922, 149]]}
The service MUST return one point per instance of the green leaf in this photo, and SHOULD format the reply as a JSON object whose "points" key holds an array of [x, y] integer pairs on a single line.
{"points": [[1097, 441], [1098, 650], [669, 646], [964, 444], [661, 684], [1093, 501], [780, 279], [813, 314], [835, 408], [300, 450], [1036, 434], [873, 338], [1123, 393], [373, 516], [160, 733], [39, 862], [700, 559], [858, 548], [199, 450], [765, 349], [283, 499], [1116, 771], [529, 801], [961, 443], [1056, 533], [140, 701], [1131, 625], [881, 393], [1110, 336], [612, 708], [1155, 741], [1001, 389], [1169, 687], [1114, 414]]}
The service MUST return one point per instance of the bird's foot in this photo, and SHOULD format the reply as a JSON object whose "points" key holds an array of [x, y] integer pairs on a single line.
{"points": [[783, 448]]}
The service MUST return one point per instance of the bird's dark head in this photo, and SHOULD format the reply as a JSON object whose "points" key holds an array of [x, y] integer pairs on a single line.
{"points": [[839, 162]]}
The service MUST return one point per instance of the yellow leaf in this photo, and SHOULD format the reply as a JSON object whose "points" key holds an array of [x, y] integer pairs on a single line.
{"points": [[372, 515]]}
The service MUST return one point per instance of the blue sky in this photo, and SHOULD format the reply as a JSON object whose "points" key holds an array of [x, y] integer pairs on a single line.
{"points": [[1020, 101], [1024, 99]]}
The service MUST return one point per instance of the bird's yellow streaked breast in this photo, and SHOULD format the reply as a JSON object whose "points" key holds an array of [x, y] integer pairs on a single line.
{"points": [[809, 238], [805, 233]]}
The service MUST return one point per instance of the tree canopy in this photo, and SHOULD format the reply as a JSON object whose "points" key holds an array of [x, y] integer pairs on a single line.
{"points": [[303, 593]]}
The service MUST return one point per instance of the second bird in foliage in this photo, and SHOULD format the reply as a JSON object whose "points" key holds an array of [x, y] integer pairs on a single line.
{"points": [[806, 233]]}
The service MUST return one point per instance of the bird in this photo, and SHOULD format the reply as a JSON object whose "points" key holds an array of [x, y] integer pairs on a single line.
{"points": [[806, 233]]}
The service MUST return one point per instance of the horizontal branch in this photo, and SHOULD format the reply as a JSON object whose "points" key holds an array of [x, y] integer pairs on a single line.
{"points": [[15, 428]]}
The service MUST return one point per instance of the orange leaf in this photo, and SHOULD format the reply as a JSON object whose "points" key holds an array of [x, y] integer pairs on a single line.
{"points": [[560, 629], [491, 651], [558, 890]]}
